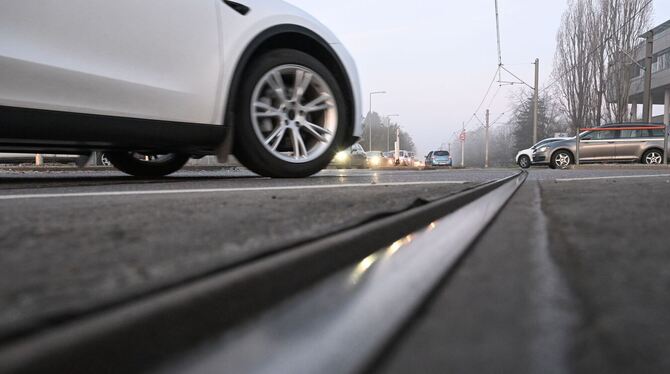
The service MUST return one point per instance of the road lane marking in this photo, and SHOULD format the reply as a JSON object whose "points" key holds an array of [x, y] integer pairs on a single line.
{"points": [[612, 177], [221, 190]]}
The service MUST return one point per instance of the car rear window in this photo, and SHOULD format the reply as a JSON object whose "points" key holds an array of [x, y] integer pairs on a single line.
{"points": [[441, 153]]}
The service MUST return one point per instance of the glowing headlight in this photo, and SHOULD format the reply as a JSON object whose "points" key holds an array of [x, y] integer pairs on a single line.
{"points": [[543, 149], [342, 156], [375, 161]]}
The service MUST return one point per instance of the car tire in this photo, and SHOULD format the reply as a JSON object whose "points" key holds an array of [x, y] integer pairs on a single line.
{"points": [[157, 166], [561, 160], [524, 162], [260, 143], [652, 157]]}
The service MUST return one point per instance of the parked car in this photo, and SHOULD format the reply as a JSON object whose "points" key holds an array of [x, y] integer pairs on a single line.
{"points": [[155, 82], [354, 157], [29, 158], [376, 159], [525, 157], [625, 142], [438, 159]]}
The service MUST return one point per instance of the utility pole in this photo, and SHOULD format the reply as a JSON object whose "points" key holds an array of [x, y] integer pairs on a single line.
{"points": [[578, 144], [463, 146], [666, 121], [486, 151], [396, 152], [500, 64], [536, 98], [647, 105], [388, 131]]}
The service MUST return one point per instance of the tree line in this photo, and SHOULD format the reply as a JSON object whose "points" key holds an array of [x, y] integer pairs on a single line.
{"points": [[384, 134]]}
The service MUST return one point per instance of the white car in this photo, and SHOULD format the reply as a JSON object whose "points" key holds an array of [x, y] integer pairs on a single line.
{"points": [[154, 82], [524, 157]]}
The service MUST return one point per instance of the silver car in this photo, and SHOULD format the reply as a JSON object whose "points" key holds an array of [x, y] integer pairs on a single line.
{"points": [[610, 143]]}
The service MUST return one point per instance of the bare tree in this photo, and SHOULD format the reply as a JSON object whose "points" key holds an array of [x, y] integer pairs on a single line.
{"points": [[625, 20], [574, 63], [593, 58]]}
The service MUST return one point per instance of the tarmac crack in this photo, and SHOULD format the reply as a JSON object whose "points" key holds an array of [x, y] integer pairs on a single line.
{"points": [[552, 301]]}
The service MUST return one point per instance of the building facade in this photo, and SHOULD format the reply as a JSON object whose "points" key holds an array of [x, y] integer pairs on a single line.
{"points": [[660, 75]]}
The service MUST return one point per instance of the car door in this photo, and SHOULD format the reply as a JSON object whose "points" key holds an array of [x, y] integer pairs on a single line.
{"points": [[598, 146], [630, 143], [156, 59]]}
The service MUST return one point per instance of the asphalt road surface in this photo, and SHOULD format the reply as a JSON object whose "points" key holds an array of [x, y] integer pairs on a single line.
{"points": [[572, 276]]}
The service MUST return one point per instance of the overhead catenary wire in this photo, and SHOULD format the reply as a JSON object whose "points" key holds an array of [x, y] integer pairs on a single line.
{"points": [[481, 104]]}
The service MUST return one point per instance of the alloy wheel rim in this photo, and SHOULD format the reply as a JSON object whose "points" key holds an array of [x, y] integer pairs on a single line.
{"points": [[654, 158], [524, 162], [294, 113], [562, 160]]}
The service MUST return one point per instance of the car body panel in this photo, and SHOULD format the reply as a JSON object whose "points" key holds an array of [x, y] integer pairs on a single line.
{"points": [[79, 60]]}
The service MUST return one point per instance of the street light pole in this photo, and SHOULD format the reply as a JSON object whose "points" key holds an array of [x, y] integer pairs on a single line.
{"points": [[370, 112]]}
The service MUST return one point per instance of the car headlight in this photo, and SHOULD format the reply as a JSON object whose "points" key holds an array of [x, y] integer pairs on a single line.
{"points": [[342, 156], [543, 149], [375, 161]]}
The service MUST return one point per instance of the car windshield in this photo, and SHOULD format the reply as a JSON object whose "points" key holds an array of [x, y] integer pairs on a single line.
{"points": [[375, 154]]}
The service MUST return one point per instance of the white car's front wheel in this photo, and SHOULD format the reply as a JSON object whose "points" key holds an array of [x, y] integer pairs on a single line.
{"points": [[524, 162], [291, 115]]}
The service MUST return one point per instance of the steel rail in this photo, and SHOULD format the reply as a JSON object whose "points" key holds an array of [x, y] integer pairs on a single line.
{"points": [[139, 335]]}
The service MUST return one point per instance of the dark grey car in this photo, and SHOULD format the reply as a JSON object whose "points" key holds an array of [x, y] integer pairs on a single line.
{"points": [[625, 142]]}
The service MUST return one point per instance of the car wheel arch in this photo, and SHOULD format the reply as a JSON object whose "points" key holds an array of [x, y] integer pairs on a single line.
{"points": [[289, 37], [572, 154], [649, 150]]}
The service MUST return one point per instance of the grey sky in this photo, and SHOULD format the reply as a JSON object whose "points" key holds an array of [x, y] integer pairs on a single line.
{"points": [[436, 58]]}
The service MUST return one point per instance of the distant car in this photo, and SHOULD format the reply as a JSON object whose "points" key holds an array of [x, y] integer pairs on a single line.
{"points": [[354, 157], [376, 159], [406, 158], [623, 142], [525, 157], [153, 83], [438, 159]]}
